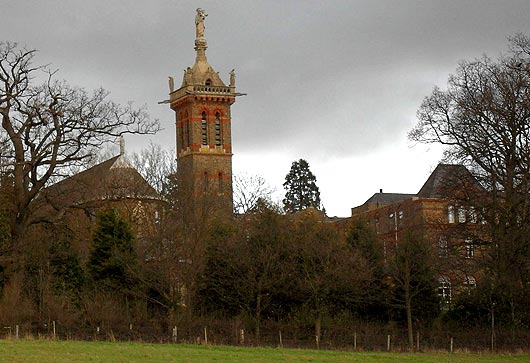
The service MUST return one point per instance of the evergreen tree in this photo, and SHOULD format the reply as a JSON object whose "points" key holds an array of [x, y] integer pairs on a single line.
{"points": [[301, 188], [113, 259]]}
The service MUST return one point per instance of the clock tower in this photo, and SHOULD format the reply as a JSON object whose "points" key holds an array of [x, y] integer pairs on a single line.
{"points": [[203, 131]]}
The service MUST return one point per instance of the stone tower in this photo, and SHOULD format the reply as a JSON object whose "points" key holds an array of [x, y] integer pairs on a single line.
{"points": [[203, 125]]}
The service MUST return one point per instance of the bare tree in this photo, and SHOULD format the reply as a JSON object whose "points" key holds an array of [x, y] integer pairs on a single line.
{"points": [[249, 190], [155, 164], [49, 127]]}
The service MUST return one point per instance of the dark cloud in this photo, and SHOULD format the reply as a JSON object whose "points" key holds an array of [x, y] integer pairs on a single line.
{"points": [[336, 82]]}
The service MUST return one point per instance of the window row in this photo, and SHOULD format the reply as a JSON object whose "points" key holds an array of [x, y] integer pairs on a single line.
{"points": [[462, 215], [205, 129]]}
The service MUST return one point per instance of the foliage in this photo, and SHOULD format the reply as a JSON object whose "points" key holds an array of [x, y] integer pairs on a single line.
{"points": [[411, 280], [301, 188], [112, 261], [68, 274], [372, 302]]}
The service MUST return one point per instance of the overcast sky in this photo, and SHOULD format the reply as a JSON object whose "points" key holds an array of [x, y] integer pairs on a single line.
{"points": [[336, 83]]}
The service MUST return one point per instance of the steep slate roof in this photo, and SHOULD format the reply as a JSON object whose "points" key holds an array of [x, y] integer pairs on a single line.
{"points": [[112, 179], [445, 180]]}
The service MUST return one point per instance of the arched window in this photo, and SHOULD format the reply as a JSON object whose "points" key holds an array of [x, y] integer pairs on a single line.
{"points": [[217, 129], [204, 128], [444, 291], [208, 82]]}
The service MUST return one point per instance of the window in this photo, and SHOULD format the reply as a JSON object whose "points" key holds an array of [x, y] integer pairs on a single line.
{"points": [[451, 214], [470, 283], [217, 129], [208, 82], [470, 248], [443, 247], [204, 125], [472, 215], [444, 291], [220, 182], [461, 214]]}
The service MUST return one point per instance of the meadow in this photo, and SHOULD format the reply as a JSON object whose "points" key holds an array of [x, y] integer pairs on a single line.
{"points": [[43, 351]]}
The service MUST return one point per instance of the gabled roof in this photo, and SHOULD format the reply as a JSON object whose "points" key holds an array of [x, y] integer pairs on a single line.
{"points": [[112, 179], [447, 180]]}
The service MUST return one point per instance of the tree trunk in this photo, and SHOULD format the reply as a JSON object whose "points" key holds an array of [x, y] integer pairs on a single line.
{"points": [[258, 317], [408, 307]]}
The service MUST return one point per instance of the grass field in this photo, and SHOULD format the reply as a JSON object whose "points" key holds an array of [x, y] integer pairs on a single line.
{"points": [[43, 351]]}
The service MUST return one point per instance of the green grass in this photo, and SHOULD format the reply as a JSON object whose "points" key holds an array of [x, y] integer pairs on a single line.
{"points": [[43, 351]]}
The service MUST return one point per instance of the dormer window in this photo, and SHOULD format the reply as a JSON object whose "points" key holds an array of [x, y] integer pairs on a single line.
{"points": [[208, 82]]}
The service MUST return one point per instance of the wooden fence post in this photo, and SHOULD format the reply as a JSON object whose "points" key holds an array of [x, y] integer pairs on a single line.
{"points": [[205, 336], [242, 336], [355, 340], [388, 342], [452, 345], [281, 341]]}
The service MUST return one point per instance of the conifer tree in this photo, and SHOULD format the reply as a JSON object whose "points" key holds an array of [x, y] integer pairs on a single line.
{"points": [[301, 188], [112, 259]]}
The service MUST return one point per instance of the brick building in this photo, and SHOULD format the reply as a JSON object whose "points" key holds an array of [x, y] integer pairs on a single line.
{"points": [[441, 215]]}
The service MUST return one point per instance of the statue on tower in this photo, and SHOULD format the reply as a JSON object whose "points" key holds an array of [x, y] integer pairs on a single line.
{"points": [[199, 23]]}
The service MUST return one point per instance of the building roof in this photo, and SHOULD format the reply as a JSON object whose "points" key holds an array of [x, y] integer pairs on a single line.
{"points": [[445, 180], [387, 198], [113, 179]]}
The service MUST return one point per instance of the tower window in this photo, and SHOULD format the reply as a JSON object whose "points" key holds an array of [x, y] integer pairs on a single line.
{"points": [[217, 129], [220, 182], [208, 82], [204, 127]]}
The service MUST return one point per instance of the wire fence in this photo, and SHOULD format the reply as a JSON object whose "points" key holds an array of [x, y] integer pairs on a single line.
{"points": [[360, 338]]}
